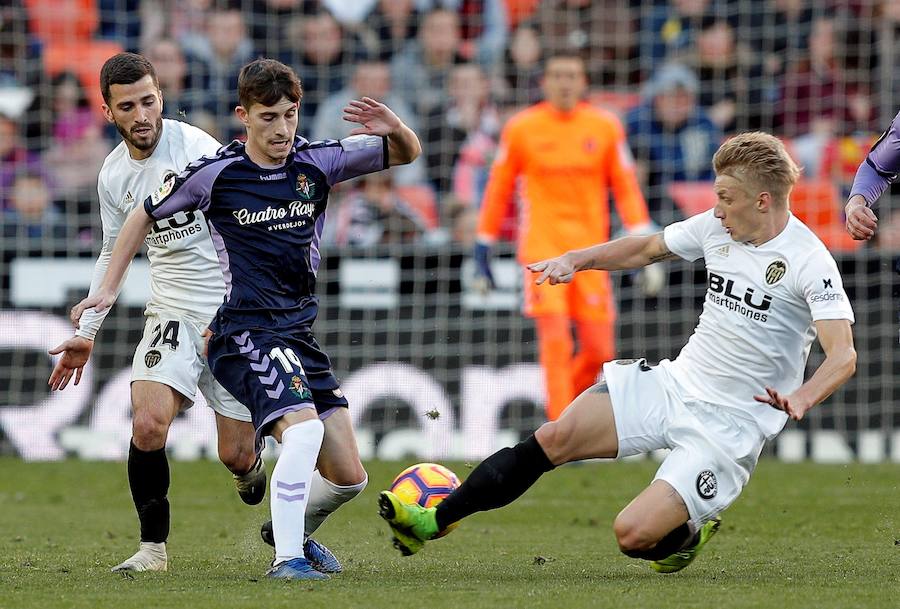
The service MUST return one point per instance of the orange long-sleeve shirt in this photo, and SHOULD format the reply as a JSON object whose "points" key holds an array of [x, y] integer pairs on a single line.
{"points": [[565, 164]]}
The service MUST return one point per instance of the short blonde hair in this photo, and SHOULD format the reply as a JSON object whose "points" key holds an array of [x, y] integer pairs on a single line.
{"points": [[761, 159]]}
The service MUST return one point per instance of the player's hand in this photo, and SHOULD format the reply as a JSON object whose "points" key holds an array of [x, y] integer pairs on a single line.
{"points": [[75, 353], [375, 118], [207, 335], [484, 276], [652, 279], [99, 302], [791, 405], [861, 221], [556, 270]]}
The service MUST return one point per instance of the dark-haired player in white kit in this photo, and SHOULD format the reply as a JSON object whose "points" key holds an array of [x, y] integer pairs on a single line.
{"points": [[265, 203], [187, 288], [772, 288]]}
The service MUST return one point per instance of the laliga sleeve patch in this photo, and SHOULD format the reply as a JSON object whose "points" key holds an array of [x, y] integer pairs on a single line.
{"points": [[707, 486], [164, 190]]}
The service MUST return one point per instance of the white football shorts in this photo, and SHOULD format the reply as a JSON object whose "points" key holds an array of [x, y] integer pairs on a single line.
{"points": [[171, 353], [713, 449]]}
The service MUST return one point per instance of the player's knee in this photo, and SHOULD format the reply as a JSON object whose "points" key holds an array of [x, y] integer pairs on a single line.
{"points": [[149, 429], [552, 439], [631, 536], [560, 441]]}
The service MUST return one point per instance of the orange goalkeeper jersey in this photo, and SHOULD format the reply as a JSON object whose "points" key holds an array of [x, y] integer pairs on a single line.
{"points": [[565, 164]]}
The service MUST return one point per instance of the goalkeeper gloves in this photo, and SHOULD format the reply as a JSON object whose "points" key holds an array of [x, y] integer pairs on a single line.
{"points": [[651, 279], [484, 277]]}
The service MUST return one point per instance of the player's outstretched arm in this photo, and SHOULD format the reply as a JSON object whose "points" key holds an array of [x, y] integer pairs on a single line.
{"points": [[874, 175], [632, 252], [127, 245], [375, 118], [839, 365]]}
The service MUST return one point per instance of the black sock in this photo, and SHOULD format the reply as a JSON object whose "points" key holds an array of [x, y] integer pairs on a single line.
{"points": [[498, 480], [677, 539], [148, 477]]}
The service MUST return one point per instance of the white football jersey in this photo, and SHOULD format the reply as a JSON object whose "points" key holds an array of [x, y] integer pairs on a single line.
{"points": [[185, 276], [756, 327]]}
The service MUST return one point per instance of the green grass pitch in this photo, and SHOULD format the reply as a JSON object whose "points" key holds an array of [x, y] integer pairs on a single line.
{"points": [[800, 536]]}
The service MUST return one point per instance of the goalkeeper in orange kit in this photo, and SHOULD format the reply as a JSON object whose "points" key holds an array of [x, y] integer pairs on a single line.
{"points": [[566, 154]]}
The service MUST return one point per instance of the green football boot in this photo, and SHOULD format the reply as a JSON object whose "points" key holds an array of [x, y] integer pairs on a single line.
{"points": [[679, 560], [411, 524]]}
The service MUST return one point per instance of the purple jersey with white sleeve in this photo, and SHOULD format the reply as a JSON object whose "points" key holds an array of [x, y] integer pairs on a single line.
{"points": [[266, 223], [881, 167]]}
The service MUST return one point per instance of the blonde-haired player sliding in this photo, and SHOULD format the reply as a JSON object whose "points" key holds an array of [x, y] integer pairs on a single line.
{"points": [[772, 288]]}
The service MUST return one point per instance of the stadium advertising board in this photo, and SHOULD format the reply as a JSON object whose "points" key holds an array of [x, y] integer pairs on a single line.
{"points": [[94, 423], [431, 370]]}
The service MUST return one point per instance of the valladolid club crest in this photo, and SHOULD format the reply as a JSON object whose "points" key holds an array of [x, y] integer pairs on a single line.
{"points": [[305, 189], [775, 271], [298, 389]]}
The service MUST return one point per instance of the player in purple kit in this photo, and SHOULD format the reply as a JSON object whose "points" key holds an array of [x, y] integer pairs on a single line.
{"points": [[265, 204], [875, 174]]}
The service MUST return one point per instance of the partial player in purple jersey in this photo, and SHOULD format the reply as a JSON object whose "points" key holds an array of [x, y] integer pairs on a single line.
{"points": [[875, 174], [265, 205]]}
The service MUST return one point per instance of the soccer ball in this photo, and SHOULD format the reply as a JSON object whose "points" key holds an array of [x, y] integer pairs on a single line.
{"points": [[426, 484]]}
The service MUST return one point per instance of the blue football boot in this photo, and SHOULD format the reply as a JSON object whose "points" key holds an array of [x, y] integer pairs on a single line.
{"points": [[321, 558], [295, 568]]}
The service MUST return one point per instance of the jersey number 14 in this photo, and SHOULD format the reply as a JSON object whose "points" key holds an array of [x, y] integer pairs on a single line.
{"points": [[168, 335]]}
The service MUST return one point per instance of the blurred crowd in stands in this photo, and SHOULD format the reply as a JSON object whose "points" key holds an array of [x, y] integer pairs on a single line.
{"points": [[681, 74]]}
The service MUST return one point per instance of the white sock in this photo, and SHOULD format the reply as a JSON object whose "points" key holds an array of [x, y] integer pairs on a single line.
{"points": [[325, 497], [291, 480]]}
